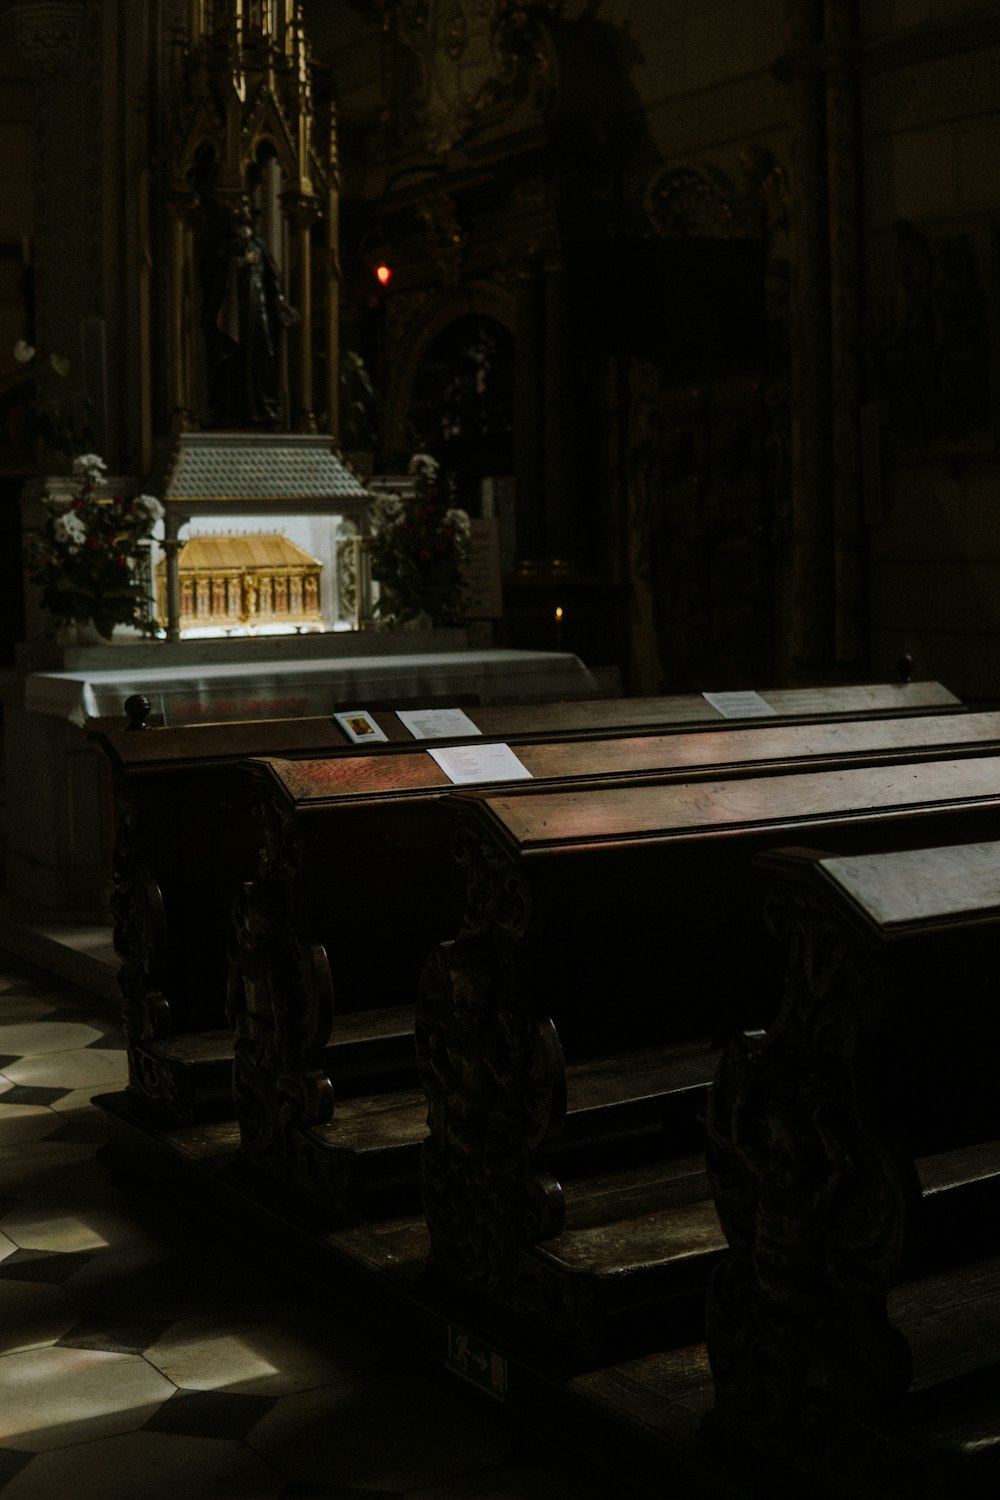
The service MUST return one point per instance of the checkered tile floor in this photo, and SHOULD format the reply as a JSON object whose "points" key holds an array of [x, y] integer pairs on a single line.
{"points": [[140, 1359]]}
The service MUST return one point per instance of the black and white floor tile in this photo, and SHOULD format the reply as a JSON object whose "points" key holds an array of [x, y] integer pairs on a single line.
{"points": [[141, 1359]]}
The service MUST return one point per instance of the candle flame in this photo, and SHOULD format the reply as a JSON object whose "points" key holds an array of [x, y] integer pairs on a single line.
{"points": [[558, 611]]}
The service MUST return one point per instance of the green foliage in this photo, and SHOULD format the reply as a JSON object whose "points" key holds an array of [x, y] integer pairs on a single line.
{"points": [[85, 554], [418, 551]]}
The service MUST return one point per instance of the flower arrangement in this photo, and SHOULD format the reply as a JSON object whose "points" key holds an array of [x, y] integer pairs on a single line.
{"points": [[84, 555], [418, 549]]}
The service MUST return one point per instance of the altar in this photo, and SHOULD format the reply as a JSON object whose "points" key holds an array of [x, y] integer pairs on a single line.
{"points": [[60, 817], [208, 692]]}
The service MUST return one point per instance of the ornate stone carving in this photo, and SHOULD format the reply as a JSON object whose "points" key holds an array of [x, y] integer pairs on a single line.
{"points": [[47, 32], [814, 1205], [446, 240], [464, 58], [494, 1075]]}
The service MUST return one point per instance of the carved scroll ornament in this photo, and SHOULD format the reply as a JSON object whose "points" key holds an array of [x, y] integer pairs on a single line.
{"points": [[814, 1206], [494, 1075], [280, 1005], [140, 930]]}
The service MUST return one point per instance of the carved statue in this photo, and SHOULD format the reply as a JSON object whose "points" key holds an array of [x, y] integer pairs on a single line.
{"points": [[243, 309]]}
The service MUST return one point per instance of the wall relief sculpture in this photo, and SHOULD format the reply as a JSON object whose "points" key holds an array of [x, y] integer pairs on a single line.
{"points": [[456, 60]]}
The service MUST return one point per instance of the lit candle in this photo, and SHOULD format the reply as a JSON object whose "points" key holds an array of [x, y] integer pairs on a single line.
{"points": [[559, 625]]}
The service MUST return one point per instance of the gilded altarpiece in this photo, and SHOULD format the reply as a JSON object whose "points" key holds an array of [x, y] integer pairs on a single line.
{"points": [[243, 141]]}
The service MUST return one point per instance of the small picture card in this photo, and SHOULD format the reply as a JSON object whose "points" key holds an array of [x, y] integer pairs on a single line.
{"points": [[360, 727], [465, 764], [437, 723], [747, 705]]}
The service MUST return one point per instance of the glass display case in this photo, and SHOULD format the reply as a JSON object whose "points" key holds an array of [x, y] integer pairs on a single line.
{"points": [[261, 535]]}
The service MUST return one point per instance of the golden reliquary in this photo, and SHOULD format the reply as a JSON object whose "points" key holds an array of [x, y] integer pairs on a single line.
{"points": [[255, 580]]}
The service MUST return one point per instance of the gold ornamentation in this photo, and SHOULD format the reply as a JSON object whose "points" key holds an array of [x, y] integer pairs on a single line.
{"points": [[243, 580]]}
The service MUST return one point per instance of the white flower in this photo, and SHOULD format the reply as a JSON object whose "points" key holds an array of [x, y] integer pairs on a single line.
{"points": [[389, 511], [68, 528], [89, 466], [458, 520], [423, 465], [23, 352], [150, 507]]}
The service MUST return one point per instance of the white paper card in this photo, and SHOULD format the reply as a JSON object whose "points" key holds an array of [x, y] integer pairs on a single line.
{"points": [[464, 764], [437, 723], [360, 727], [748, 705]]}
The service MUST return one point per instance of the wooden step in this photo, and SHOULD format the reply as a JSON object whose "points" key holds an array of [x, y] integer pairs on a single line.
{"points": [[626, 1275], [608, 1098], [189, 1075], [657, 1091], [656, 1223], [951, 1320], [371, 1050], [960, 1206], [178, 1078]]}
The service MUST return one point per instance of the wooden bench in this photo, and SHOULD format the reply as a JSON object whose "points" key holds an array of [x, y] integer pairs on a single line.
{"points": [[357, 882], [604, 926], [854, 1323], [185, 840]]}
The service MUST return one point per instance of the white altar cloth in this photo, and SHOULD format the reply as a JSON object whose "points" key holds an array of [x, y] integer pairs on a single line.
{"points": [[288, 689]]}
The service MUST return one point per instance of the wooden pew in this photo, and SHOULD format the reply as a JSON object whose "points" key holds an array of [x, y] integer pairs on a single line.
{"points": [[185, 840], [603, 927], [357, 880], [854, 1151]]}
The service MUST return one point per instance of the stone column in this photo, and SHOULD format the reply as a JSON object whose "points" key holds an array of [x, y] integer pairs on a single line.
{"points": [[561, 541], [180, 393], [807, 607], [529, 434], [301, 212], [843, 174], [171, 547]]}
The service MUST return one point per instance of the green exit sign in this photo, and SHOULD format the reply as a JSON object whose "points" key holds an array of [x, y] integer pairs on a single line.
{"points": [[477, 1363]]}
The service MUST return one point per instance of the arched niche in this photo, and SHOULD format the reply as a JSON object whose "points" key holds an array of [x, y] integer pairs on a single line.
{"points": [[432, 394], [212, 215]]}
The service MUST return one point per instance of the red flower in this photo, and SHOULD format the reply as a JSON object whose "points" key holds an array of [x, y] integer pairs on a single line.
{"points": [[424, 555], [121, 561], [92, 542], [77, 504]]}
